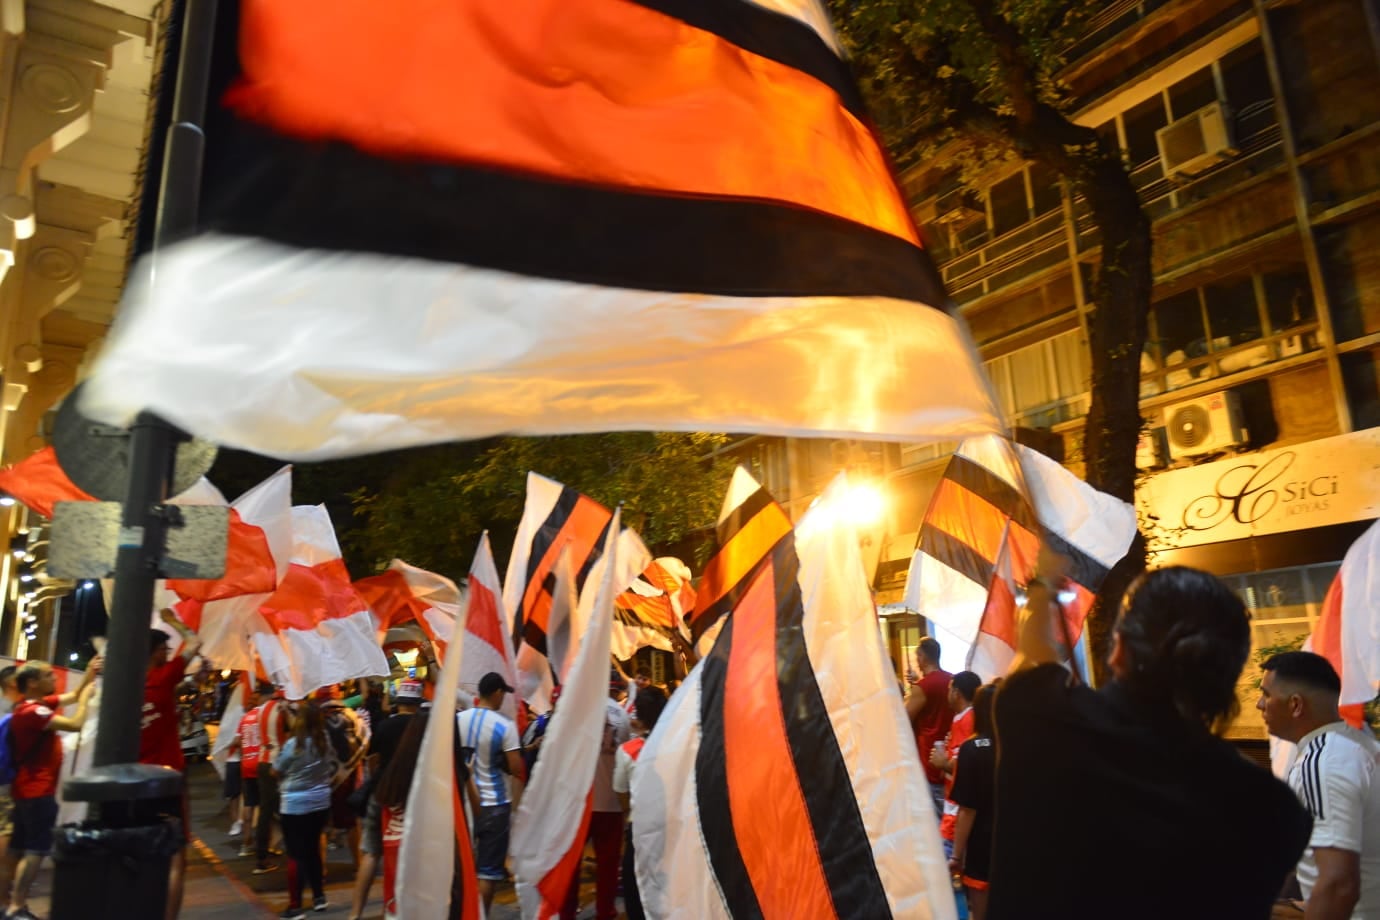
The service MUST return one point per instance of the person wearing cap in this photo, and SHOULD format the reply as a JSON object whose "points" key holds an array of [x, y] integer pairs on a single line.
{"points": [[492, 751], [383, 743]]}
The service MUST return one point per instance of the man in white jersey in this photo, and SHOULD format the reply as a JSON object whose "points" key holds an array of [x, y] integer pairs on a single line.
{"points": [[1336, 774], [493, 751]]}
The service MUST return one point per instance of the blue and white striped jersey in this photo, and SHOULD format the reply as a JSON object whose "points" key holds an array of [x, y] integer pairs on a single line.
{"points": [[486, 736]]}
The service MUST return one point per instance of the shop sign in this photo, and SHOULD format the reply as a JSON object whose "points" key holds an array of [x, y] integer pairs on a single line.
{"points": [[1314, 484]]}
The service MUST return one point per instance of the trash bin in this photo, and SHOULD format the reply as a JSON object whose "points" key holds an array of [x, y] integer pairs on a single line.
{"points": [[116, 865]]}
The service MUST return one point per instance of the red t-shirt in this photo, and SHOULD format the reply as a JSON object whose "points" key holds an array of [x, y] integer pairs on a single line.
{"points": [[160, 742], [37, 751], [933, 722], [960, 732], [392, 821], [251, 743]]}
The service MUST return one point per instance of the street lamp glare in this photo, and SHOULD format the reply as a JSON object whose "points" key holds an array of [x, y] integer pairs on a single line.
{"points": [[72, 657], [864, 504]]}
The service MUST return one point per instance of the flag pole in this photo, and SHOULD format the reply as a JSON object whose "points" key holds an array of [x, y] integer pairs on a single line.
{"points": [[153, 442]]}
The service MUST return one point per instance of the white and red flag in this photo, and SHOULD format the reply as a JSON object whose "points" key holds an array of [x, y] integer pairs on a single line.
{"points": [[1348, 629], [435, 858], [486, 644], [319, 629], [552, 822], [406, 594], [226, 625], [782, 780]]}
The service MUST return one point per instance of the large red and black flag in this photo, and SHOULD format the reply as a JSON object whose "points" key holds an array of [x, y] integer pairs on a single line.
{"points": [[450, 219], [782, 780], [997, 502], [556, 520]]}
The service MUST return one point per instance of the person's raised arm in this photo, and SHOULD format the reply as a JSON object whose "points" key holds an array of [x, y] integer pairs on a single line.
{"points": [[191, 642], [1039, 640], [87, 679], [74, 722]]}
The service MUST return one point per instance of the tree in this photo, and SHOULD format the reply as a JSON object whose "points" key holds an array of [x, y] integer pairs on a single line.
{"points": [[435, 503], [979, 80]]}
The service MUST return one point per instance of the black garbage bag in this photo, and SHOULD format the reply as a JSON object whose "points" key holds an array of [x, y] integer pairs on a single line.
{"points": [[119, 872]]}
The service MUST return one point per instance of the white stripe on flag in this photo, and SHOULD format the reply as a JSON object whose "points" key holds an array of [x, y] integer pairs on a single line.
{"points": [[460, 353], [1360, 610]]}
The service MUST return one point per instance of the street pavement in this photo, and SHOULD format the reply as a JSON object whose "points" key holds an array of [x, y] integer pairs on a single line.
{"points": [[221, 884]]}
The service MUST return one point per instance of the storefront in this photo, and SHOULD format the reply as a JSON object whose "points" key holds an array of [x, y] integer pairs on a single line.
{"points": [[1275, 525]]}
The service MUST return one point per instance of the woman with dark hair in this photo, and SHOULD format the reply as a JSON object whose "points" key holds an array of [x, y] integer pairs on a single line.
{"points": [[973, 792], [305, 768], [1124, 802]]}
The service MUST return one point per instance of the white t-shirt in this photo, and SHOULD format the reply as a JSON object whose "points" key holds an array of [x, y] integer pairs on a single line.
{"points": [[489, 735], [617, 729], [1337, 777]]}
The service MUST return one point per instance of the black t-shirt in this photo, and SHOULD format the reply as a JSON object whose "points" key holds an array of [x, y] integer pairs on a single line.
{"points": [[1109, 808], [975, 788], [386, 736]]}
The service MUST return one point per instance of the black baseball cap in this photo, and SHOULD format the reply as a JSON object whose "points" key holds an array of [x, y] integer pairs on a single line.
{"points": [[491, 682]]}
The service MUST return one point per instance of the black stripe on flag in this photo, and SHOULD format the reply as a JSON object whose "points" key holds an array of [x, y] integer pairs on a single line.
{"points": [[1083, 568], [949, 550], [711, 786], [746, 510], [992, 489], [541, 544], [330, 196], [844, 848], [772, 35]]}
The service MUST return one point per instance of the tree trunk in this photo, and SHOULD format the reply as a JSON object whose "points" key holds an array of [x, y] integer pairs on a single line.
{"points": [[1117, 328]]}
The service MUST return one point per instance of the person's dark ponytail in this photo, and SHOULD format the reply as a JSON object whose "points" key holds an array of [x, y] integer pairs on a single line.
{"points": [[1186, 636]]}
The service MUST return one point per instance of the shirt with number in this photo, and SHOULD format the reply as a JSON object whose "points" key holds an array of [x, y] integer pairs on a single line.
{"points": [[1336, 774], [486, 737], [251, 743], [37, 752]]}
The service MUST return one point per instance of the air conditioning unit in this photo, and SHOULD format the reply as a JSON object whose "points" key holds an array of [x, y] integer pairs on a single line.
{"points": [[958, 209], [1152, 449], [1206, 425], [1191, 145]]}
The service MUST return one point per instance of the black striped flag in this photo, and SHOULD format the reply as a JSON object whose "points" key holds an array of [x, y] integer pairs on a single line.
{"points": [[997, 502], [782, 780], [749, 526], [556, 520], [450, 219]]}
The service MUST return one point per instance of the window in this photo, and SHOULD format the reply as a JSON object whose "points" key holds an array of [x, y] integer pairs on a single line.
{"points": [[1192, 93], [1288, 297], [1041, 383], [1009, 209], [1232, 313], [1245, 77], [1045, 191], [1141, 122], [1179, 328]]}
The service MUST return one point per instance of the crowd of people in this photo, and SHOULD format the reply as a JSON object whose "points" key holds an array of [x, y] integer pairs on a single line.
{"points": [[1063, 801], [1053, 799], [300, 770]]}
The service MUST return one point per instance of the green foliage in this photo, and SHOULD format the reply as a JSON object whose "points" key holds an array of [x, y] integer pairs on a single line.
{"points": [[434, 504]]}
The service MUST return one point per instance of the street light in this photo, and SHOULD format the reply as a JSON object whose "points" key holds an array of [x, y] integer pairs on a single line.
{"points": [[6, 500], [88, 584]]}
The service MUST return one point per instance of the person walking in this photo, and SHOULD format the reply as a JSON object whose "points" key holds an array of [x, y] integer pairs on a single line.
{"points": [[1123, 801], [1336, 775], [647, 709], [305, 768], [973, 791], [492, 753], [275, 720]]}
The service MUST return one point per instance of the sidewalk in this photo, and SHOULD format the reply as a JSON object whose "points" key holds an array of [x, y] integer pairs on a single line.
{"points": [[221, 884]]}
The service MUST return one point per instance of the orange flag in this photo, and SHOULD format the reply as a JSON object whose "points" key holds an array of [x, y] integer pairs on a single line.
{"points": [[40, 483]]}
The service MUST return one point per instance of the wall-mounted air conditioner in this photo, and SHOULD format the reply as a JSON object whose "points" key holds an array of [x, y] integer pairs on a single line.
{"points": [[1206, 425], [1201, 140], [1152, 449]]}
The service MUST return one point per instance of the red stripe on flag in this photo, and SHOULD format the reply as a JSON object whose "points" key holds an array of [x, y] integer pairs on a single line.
{"points": [[469, 873], [555, 884], [40, 483], [580, 531], [483, 619], [391, 599], [249, 567], [631, 87], [777, 843], [309, 595]]}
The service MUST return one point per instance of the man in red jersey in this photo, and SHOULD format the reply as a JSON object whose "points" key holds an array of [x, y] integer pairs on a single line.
{"points": [[927, 705], [160, 741], [38, 758]]}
